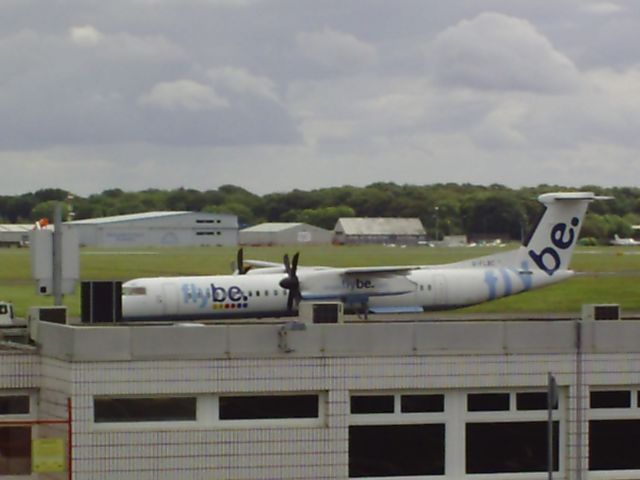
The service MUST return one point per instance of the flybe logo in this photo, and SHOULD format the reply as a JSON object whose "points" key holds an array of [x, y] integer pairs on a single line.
{"points": [[562, 237], [221, 298]]}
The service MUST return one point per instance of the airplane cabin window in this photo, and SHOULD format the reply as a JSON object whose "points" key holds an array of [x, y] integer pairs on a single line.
{"points": [[134, 291]]}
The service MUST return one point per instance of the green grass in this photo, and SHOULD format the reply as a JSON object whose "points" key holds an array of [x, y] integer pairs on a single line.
{"points": [[607, 274]]}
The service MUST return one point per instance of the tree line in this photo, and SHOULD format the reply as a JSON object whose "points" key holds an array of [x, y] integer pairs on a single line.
{"points": [[444, 209]]}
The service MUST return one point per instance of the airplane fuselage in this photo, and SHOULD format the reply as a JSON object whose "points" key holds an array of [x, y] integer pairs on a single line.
{"points": [[245, 296]]}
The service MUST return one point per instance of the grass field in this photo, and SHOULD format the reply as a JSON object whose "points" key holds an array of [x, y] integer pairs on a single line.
{"points": [[605, 274]]}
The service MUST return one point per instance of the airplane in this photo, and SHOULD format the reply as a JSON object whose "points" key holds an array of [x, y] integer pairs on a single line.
{"points": [[624, 242], [267, 289]]}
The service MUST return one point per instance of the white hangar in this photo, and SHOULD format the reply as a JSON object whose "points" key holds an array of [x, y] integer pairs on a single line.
{"points": [[379, 230], [159, 229], [285, 234]]}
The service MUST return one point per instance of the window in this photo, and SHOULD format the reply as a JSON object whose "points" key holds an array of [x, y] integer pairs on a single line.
{"points": [[15, 451], [134, 290], [401, 434], [421, 403], [533, 401], [14, 405], [509, 447], [506, 432], [361, 404], [614, 430], [487, 402], [613, 444], [396, 450], [144, 409], [610, 399], [268, 407]]}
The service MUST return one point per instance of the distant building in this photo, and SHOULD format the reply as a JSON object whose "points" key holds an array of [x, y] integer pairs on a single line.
{"points": [[379, 230], [285, 234], [17, 235], [159, 229]]}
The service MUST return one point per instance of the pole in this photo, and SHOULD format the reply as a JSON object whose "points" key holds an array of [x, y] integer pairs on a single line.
{"points": [[552, 398], [69, 441], [57, 256]]}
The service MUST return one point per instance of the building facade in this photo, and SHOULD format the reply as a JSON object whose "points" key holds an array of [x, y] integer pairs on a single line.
{"points": [[159, 229], [449, 400], [405, 231], [285, 234]]}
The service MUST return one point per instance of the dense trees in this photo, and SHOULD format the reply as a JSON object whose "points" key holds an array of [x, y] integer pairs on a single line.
{"points": [[445, 209]]}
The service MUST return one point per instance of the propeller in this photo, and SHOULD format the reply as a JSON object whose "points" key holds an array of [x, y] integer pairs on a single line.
{"points": [[291, 282], [241, 269]]}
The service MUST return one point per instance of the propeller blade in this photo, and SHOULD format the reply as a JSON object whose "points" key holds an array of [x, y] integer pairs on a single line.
{"points": [[291, 282]]}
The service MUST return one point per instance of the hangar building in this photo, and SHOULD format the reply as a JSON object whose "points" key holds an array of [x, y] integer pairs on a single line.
{"points": [[285, 234], [159, 229], [379, 230], [14, 234]]}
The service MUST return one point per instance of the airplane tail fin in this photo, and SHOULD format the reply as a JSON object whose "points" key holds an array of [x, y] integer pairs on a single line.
{"points": [[551, 243]]}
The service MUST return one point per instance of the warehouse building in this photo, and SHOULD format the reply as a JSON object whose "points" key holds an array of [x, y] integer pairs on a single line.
{"points": [[159, 229], [15, 235], [448, 400], [285, 234], [404, 231]]}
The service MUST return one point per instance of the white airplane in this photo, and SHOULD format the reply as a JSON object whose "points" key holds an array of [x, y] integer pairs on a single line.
{"points": [[624, 242], [274, 290]]}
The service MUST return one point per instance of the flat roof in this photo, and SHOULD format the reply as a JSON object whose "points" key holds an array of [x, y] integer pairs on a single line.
{"points": [[198, 341]]}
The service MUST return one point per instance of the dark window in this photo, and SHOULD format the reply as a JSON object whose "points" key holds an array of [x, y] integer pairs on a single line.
{"points": [[14, 405], [532, 401], [509, 447], [265, 407], [396, 450], [148, 409], [372, 404], [205, 221], [15, 451], [487, 402], [613, 444], [421, 403], [610, 399]]}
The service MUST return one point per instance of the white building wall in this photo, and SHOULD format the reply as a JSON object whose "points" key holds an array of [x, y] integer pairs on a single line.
{"points": [[336, 362]]}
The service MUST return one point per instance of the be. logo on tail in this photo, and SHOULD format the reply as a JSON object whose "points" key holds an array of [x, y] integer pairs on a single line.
{"points": [[562, 238]]}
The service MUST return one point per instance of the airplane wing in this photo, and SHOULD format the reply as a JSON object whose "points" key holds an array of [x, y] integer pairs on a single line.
{"points": [[375, 271]]}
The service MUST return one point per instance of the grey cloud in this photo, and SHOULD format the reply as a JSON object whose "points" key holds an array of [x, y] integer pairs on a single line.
{"points": [[336, 50], [497, 52], [86, 86]]}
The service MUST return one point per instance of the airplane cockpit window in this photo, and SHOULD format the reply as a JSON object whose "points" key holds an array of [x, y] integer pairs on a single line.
{"points": [[134, 290]]}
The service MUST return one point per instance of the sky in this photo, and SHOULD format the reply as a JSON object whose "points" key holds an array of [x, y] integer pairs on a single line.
{"points": [[274, 95]]}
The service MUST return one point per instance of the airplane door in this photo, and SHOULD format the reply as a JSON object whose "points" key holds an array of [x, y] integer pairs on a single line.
{"points": [[169, 299], [440, 294]]}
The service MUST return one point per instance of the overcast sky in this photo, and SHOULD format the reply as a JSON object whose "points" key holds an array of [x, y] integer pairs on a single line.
{"points": [[273, 95]]}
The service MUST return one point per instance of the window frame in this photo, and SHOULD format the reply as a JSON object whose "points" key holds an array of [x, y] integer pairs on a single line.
{"points": [[632, 412]]}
